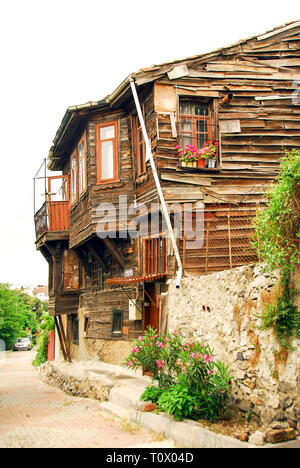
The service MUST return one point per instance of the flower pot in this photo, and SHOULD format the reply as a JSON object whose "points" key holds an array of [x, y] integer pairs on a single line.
{"points": [[201, 162], [189, 164], [183, 163], [211, 163]]}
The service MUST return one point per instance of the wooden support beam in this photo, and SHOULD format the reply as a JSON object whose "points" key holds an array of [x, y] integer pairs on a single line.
{"points": [[94, 251], [46, 254], [83, 259], [61, 341], [58, 283], [114, 251], [67, 349], [229, 241]]}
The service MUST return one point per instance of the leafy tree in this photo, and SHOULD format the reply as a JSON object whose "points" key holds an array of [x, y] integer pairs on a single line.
{"points": [[15, 315]]}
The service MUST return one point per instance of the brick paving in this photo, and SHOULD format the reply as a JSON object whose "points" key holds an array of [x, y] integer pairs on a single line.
{"points": [[35, 415]]}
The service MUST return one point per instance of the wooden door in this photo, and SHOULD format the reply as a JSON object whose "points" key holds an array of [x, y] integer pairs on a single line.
{"points": [[151, 307], [58, 201]]}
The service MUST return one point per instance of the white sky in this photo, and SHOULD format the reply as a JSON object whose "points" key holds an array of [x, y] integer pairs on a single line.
{"points": [[59, 53]]}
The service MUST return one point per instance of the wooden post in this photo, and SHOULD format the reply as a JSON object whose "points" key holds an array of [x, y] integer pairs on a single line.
{"points": [[229, 241], [257, 232], [64, 339], [206, 247], [183, 254], [62, 345]]}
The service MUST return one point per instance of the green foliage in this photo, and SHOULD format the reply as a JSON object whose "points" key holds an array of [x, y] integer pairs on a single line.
{"points": [[282, 315], [152, 394], [278, 226], [178, 402], [15, 315], [277, 243], [47, 325], [190, 382]]}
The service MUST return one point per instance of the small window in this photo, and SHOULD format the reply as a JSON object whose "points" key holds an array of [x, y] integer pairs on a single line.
{"points": [[75, 329], [107, 161], [70, 270], [73, 177], [86, 323], [195, 120], [140, 149], [117, 322], [97, 274], [82, 164], [155, 256]]}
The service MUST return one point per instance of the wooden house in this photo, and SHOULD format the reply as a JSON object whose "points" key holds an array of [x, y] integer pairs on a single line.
{"points": [[122, 150]]}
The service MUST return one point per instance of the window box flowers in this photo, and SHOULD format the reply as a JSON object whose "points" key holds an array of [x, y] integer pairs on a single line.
{"points": [[190, 156]]}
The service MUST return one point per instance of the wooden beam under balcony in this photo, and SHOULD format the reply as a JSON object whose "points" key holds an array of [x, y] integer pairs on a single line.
{"points": [[94, 249], [82, 256], [114, 251]]}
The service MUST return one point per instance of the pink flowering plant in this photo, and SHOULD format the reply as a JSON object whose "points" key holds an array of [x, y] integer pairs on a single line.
{"points": [[157, 355], [188, 154], [189, 381]]}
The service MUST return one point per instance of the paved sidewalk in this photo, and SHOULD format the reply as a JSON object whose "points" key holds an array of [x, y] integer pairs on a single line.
{"points": [[35, 415]]}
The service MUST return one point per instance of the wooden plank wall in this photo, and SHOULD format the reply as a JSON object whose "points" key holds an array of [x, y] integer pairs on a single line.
{"points": [[251, 72]]}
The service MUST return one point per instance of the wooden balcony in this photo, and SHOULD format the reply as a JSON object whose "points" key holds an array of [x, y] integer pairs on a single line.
{"points": [[53, 216]]}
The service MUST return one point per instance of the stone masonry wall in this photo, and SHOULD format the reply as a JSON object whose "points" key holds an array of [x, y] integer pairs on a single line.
{"points": [[222, 310]]}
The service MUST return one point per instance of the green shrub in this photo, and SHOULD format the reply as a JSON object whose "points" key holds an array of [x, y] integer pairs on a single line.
{"points": [[178, 402], [42, 350], [47, 325], [191, 384], [152, 394]]}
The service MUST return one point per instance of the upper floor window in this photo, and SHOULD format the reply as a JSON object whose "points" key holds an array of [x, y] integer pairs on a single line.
{"points": [[73, 181], [195, 122], [82, 164], [107, 152], [155, 255], [70, 270], [140, 149]]}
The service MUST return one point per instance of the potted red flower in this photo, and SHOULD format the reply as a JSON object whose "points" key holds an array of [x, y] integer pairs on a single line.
{"points": [[209, 153]]}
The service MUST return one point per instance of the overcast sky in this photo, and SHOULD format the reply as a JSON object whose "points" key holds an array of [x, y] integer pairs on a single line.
{"points": [[55, 54]]}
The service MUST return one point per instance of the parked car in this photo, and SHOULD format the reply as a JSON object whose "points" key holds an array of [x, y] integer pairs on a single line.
{"points": [[22, 344]]}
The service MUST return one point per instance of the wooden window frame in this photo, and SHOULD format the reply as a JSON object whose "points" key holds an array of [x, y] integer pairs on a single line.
{"points": [[141, 165], [194, 118], [97, 274], [73, 178], [64, 255], [116, 313], [82, 166], [115, 141], [156, 252]]}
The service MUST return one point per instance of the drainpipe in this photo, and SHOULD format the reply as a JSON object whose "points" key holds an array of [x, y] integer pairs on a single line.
{"points": [[149, 157]]}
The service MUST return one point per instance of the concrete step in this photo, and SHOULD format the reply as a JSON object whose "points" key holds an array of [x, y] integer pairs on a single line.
{"points": [[114, 410], [126, 396]]}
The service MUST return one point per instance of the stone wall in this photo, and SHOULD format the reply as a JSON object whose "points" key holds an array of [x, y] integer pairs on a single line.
{"points": [[222, 310]]}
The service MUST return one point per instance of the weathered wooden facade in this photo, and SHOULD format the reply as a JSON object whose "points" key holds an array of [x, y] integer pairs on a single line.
{"points": [[243, 96]]}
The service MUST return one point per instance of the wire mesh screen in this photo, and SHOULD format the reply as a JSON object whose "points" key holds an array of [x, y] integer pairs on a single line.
{"points": [[227, 241]]}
